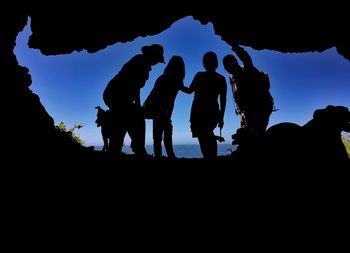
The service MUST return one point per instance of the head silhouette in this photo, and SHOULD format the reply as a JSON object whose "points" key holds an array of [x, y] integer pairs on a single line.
{"points": [[154, 53], [230, 64], [210, 61], [176, 68]]}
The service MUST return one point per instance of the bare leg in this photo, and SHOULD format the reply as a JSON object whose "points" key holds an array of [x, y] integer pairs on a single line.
{"points": [[137, 133], [157, 137], [168, 139]]}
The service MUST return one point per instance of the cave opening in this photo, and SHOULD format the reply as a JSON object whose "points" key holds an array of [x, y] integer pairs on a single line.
{"points": [[70, 86]]}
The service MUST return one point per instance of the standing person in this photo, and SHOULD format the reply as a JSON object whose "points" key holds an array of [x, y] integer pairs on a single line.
{"points": [[206, 113], [122, 96], [159, 105], [251, 91]]}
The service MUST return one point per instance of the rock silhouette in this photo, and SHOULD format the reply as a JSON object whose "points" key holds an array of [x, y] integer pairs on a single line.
{"points": [[80, 30], [318, 142]]}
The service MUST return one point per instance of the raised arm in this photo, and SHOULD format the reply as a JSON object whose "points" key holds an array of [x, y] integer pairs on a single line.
{"points": [[243, 56]]}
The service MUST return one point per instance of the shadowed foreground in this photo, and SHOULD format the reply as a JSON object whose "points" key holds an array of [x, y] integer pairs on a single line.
{"points": [[56, 187]]}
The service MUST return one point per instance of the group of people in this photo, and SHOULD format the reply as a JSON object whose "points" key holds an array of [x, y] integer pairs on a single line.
{"points": [[250, 88]]}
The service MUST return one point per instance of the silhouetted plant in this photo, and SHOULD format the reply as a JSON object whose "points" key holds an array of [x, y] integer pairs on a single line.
{"points": [[346, 141], [70, 132]]}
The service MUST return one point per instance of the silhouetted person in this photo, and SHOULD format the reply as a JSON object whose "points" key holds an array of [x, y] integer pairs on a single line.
{"points": [[254, 103], [122, 96], [206, 113], [159, 105]]}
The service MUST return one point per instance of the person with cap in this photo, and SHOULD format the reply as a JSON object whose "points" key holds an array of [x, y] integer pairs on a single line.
{"points": [[122, 96]]}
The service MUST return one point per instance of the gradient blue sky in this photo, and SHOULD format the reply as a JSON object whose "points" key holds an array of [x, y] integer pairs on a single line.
{"points": [[70, 86]]}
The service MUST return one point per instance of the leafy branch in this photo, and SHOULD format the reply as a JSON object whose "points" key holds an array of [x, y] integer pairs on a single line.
{"points": [[70, 132], [346, 141]]}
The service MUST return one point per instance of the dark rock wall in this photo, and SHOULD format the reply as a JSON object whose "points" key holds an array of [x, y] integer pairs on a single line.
{"points": [[286, 27], [57, 29]]}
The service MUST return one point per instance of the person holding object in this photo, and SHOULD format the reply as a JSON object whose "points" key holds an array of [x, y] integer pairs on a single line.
{"points": [[206, 113]]}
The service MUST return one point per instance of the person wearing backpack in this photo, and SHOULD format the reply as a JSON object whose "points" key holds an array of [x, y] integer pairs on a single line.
{"points": [[251, 90]]}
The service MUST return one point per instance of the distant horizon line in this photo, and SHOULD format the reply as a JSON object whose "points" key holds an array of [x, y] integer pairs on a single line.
{"points": [[186, 144]]}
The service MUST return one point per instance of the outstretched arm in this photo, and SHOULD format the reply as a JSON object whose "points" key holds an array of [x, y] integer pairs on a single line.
{"points": [[192, 86], [243, 55], [186, 89]]}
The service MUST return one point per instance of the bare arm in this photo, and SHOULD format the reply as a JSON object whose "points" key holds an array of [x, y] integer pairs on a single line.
{"points": [[186, 90], [222, 104], [243, 56], [192, 86]]}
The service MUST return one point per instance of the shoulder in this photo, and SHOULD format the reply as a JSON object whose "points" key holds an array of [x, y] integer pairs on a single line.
{"points": [[220, 78], [250, 69], [199, 75], [138, 57], [137, 60]]}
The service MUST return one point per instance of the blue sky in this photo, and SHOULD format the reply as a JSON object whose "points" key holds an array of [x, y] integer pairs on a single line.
{"points": [[70, 86]]}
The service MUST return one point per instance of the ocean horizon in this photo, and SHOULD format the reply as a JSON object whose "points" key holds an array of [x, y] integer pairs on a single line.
{"points": [[183, 150]]}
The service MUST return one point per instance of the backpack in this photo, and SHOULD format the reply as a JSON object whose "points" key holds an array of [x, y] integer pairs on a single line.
{"points": [[264, 81]]}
